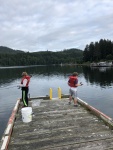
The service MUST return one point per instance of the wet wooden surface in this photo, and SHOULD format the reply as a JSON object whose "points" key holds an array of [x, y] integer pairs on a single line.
{"points": [[58, 126]]}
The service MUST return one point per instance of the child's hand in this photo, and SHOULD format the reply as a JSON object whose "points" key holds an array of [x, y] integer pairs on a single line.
{"points": [[81, 83]]}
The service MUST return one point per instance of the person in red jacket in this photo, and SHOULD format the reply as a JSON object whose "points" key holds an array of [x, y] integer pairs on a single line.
{"points": [[25, 88], [73, 83]]}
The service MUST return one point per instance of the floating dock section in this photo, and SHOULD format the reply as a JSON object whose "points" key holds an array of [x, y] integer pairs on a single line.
{"points": [[56, 125]]}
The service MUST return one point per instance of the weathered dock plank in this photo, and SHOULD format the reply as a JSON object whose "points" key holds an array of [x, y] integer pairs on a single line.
{"points": [[59, 126]]}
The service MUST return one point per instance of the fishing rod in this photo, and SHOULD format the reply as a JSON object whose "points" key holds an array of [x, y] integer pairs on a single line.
{"points": [[2, 87]]}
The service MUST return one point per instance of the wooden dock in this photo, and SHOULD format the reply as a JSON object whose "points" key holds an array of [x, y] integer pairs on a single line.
{"points": [[56, 125]]}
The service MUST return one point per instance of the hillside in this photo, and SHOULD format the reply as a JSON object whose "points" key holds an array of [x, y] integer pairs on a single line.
{"points": [[6, 50], [9, 57]]}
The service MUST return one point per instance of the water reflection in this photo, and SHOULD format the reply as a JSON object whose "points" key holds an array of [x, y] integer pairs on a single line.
{"points": [[96, 90], [99, 75], [101, 69], [10, 74]]}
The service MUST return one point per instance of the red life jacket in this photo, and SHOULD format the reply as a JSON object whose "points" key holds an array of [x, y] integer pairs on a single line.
{"points": [[28, 80], [71, 81]]}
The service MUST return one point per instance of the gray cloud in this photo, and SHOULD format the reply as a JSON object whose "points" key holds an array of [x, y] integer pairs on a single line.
{"points": [[32, 25]]}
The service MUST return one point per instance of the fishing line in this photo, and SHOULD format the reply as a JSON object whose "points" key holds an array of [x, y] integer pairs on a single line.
{"points": [[1, 88]]}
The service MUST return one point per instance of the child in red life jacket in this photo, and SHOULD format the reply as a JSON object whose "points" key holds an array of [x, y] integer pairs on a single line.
{"points": [[25, 88], [73, 83]]}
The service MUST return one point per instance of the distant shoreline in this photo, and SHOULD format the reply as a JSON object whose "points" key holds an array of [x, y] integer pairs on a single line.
{"points": [[8, 67]]}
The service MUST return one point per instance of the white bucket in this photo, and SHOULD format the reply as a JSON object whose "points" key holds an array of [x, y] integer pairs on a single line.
{"points": [[26, 114]]}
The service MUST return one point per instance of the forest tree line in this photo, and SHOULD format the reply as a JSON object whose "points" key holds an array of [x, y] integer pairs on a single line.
{"points": [[102, 50], [10, 57], [94, 52]]}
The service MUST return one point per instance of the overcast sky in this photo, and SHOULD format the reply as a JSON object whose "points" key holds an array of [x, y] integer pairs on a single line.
{"points": [[40, 25]]}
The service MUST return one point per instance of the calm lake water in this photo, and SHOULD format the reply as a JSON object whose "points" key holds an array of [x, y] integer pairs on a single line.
{"points": [[97, 89]]}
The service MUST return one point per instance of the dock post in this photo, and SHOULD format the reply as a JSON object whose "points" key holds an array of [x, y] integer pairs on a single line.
{"points": [[50, 93], [59, 93]]}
